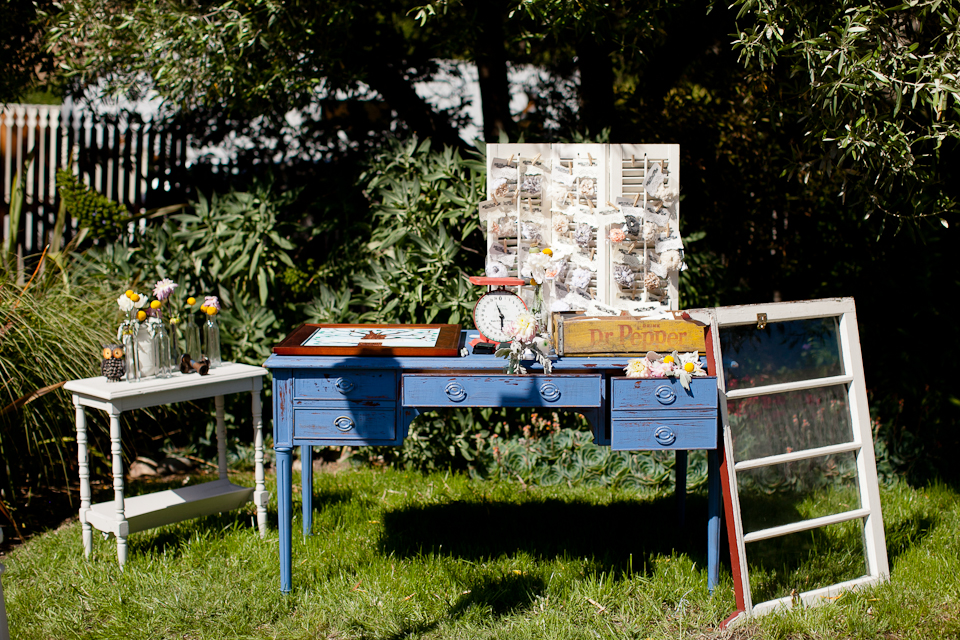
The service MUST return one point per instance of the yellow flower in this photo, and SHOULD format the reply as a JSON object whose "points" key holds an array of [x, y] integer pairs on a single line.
{"points": [[548, 251], [129, 293], [668, 358], [155, 304], [141, 315], [203, 308], [688, 367], [211, 311], [135, 297], [191, 301]]}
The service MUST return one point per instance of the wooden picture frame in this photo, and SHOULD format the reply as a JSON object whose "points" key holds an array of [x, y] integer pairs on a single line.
{"points": [[447, 344]]}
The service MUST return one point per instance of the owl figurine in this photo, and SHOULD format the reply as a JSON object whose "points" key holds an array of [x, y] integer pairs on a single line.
{"points": [[113, 365]]}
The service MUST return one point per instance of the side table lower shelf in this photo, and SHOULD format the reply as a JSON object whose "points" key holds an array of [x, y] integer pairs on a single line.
{"points": [[166, 507]]}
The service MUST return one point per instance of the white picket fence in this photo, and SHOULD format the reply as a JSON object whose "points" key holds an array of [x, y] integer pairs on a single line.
{"points": [[124, 158]]}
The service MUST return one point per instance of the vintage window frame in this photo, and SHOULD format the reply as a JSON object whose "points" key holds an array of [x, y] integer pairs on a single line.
{"points": [[861, 444]]}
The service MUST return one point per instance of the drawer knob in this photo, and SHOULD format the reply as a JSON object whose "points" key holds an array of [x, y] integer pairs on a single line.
{"points": [[344, 386], [456, 392], [665, 395], [665, 436], [550, 392], [344, 423]]}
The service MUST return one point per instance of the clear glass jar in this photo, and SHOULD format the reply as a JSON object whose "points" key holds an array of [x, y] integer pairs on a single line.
{"points": [[211, 341], [131, 355], [191, 339], [162, 353]]}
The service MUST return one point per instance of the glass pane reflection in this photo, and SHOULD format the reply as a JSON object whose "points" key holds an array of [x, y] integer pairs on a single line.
{"points": [[779, 567], [796, 491], [792, 421], [782, 352]]}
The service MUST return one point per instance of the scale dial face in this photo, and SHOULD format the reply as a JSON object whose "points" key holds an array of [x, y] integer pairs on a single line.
{"points": [[494, 312]]}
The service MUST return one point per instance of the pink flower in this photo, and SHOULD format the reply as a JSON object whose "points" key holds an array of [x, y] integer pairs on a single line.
{"points": [[660, 369], [211, 301], [163, 288], [617, 235], [524, 328]]}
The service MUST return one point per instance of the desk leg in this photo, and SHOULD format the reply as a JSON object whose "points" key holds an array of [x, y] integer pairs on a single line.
{"points": [[680, 487], [713, 515], [260, 495], [84, 465], [117, 452], [306, 486], [221, 438], [284, 513]]}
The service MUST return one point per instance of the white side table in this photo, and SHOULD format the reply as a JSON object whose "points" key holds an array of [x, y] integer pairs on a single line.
{"points": [[123, 517]]}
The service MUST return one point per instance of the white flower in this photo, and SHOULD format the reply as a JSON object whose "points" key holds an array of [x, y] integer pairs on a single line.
{"points": [[580, 278], [141, 301], [524, 328], [536, 266], [497, 270], [649, 231], [671, 260], [690, 362], [561, 223], [636, 368], [126, 304]]}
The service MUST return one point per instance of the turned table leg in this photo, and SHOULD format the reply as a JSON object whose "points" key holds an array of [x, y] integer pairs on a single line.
{"points": [[84, 464], [116, 451], [260, 495]]}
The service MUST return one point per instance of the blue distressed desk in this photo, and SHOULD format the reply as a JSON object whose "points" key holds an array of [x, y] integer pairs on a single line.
{"points": [[356, 401]]}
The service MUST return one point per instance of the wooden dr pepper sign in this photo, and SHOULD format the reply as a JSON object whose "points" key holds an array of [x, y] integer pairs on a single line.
{"points": [[621, 335]]}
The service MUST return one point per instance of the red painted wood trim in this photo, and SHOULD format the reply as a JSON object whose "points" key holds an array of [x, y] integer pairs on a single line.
{"points": [[727, 496], [497, 282]]}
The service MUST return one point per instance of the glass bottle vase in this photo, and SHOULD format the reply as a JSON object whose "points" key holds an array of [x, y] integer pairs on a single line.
{"points": [[211, 341], [131, 356], [191, 339], [162, 351]]}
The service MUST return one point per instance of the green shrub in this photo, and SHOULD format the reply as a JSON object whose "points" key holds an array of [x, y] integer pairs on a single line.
{"points": [[49, 334]]}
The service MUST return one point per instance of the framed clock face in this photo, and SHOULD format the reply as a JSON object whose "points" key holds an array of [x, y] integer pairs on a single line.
{"points": [[494, 312]]}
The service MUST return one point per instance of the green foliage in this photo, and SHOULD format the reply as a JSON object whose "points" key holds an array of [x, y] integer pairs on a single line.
{"points": [[238, 240], [877, 89], [569, 457], [101, 216], [425, 240], [48, 335]]}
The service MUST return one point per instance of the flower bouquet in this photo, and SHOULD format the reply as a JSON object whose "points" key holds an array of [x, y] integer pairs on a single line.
{"points": [[684, 367], [525, 344]]}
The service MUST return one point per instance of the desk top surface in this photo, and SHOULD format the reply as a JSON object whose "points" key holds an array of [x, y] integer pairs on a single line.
{"points": [[101, 388], [462, 363]]}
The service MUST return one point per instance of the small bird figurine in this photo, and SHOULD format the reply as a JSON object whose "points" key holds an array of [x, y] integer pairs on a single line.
{"points": [[113, 365]]}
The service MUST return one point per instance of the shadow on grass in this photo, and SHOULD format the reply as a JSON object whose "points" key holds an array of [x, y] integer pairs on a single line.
{"points": [[496, 597], [620, 537], [170, 539]]}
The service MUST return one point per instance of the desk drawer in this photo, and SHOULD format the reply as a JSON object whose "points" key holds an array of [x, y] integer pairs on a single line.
{"points": [[652, 433], [345, 384], [344, 426], [421, 390], [662, 394]]}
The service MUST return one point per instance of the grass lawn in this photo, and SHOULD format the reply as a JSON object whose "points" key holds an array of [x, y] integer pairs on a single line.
{"points": [[402, 555]]}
